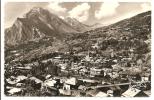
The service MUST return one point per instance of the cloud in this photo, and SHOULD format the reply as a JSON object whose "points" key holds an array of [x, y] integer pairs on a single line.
{"points": [[80, 12], [146, 7], [55, 7], [143, 7], [107, 9]]}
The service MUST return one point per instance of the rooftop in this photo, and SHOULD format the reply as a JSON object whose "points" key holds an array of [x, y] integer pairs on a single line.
{"points": [[131, 92]]}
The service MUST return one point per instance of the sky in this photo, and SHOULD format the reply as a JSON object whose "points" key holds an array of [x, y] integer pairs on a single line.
{"points": [[88, 13]]}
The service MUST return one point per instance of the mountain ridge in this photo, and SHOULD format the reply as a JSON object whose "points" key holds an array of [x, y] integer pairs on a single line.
{"points": [[77, 25], [42, 20]]}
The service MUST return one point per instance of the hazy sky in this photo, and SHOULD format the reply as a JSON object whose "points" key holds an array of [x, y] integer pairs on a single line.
{"points": [[88, 13]]}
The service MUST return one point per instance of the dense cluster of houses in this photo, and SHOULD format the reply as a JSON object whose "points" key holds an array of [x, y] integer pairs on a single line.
{"points": [[92, 81], [71, 86], [80, 74]]}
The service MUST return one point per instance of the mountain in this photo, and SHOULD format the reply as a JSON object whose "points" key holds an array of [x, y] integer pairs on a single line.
{"points": [[37, 23], [96, 25], [129, 34], [77, 25], [80, 26]]}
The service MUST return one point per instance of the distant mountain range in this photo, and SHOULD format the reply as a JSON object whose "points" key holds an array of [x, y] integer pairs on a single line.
{"points": [[80, 27], [39, 22], [96, 25]]}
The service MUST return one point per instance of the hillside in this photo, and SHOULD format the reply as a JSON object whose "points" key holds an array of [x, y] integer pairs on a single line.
{"points": [[129, 35], [133, 34]]}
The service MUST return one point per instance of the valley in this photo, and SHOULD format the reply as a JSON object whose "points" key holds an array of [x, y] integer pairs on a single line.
{"points": [[49, 56]]}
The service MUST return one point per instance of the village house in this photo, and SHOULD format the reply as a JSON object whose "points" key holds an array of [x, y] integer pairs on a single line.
{"points": [[96, 72], [133, 92], [19, 85], [21, 78], [92, 93], [14, 80], [107, 70], [70, 83], [83, 71], [82, 87], [63, 66], [115, 75], [148, 92], [15, 91], [49, 82], [110, 93], [64, 92], [101, 94], [145, 77]]}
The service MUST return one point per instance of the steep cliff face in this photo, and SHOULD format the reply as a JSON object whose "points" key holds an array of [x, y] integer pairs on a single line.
{"points": [[37, 23]]}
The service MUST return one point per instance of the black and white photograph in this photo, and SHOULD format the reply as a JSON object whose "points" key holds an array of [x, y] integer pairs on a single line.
{"points": [[77, 49]]}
